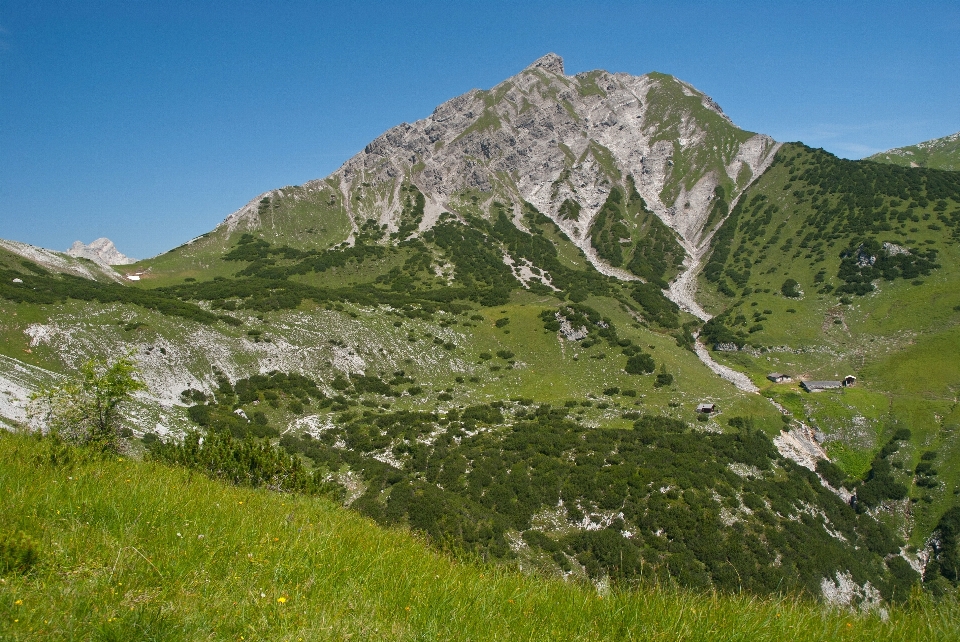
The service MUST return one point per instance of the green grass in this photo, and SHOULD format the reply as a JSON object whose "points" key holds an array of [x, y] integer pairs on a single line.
{"points": [[939, 153], [899, 340], [134, 550]]}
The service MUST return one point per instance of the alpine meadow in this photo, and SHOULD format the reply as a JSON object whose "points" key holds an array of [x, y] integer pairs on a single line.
{"points": [[574, 357]]}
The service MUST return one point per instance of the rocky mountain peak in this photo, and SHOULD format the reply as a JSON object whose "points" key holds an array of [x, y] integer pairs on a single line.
{"points": [[550, 139], [101, 251], [550, 62]]}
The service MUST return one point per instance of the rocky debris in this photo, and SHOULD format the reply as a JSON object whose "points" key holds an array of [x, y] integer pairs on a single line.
{"points": [[101, 251], [844, 591], [569, 332], [892, 249], [738, 379]]}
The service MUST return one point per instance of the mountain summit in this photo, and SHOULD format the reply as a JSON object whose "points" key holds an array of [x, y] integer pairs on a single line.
{"points": [[101, 251], [561, 143]]}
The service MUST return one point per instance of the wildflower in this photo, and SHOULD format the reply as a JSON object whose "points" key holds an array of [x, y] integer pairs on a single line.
{"points": [[18, 602], [282, 600], [406, 608]]}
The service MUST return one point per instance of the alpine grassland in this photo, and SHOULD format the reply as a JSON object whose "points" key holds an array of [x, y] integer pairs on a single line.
{"points": [[870, 254], [126, 549]]}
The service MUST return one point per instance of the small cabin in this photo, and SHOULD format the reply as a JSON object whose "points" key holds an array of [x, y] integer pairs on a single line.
{"points": [[707, 408], [820, 386], [779, 377]]}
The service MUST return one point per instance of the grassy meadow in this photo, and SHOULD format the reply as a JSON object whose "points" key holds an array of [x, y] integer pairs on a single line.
{"points": [[136, 550]]}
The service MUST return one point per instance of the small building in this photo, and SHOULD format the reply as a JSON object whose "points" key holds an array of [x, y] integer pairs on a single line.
{"points": [[707, 408], [779, 377], [849, 380], [820, 386]]}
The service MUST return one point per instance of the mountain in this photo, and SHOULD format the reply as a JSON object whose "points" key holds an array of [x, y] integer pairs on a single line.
{"points": [[557, 142], [939, 153], [60, 262], [101, 251], [498, 325]]}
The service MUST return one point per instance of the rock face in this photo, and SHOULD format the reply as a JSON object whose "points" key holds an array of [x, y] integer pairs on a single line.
{"points": [[548, 138], [101, 251]]}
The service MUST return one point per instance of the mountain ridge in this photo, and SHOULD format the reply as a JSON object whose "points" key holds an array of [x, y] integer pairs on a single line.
{"points": [[937, 153]]}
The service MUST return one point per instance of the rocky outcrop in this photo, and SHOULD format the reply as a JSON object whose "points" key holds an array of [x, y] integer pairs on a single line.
{"points": [[101, 251]]}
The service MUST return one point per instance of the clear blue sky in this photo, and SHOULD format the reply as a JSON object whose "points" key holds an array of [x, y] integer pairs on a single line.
{"points": [[149, 122]]}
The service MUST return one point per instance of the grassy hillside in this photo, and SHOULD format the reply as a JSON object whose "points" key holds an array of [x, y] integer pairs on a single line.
{"points": [[136, 550], [939, 153], [829, 267]]}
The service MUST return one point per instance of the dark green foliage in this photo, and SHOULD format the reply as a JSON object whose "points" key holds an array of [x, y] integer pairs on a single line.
{"points": [[945, 561], [716, 333], [540, 251], [865, 261], [569, 210], [48, 288], [608, 229], [862, 203], [218, 415], [412, 213], [655, 256], [467, 488], [832, 473], [656, 307], [790, 289], [18, 552], [245, 462], [664, 378], [880, 483], [640, 364]]}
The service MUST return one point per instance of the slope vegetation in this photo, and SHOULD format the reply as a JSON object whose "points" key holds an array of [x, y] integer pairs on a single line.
{"points": [[829, 267], [141, 551]]}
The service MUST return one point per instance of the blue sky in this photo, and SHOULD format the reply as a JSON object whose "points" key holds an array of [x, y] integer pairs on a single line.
{"points": [[149, 122]]}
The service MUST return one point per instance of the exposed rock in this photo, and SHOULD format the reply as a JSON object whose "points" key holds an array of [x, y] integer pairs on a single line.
{"points": [[101, 251], [892, 249]]}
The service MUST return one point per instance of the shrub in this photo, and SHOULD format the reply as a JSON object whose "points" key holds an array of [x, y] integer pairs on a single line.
{"points": [[640, 364], [790, 289]]}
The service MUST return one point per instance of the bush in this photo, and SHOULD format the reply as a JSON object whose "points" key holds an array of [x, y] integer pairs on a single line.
{"points": [[86, 410], [790, 289], [640, 364]]}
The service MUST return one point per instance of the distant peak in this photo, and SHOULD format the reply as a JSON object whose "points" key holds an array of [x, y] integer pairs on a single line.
{"points": [[551, 62], [101, 251]]}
